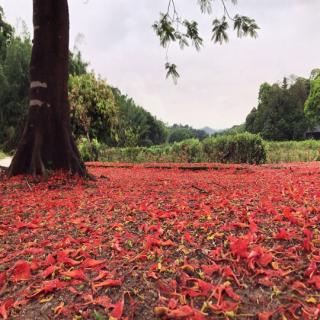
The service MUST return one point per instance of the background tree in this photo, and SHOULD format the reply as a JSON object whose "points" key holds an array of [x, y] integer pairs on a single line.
{"points": [[315, 73], [298, 93], [47, 141], [6, 33], [137, 127], [280, 111], [94, 113], [179, 132], [77, 66], [133, 126], [14, 84], [312, 105], [200, 134]]}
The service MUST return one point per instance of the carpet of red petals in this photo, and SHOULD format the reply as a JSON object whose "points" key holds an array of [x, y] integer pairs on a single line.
{"points": [[163, 242]]}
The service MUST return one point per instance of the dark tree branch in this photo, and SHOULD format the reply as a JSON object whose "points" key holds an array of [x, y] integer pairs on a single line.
{"points": [[226, 11]]}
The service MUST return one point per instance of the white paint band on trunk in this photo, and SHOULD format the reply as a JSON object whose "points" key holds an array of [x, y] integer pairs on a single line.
{"points": [[38, 84], [36, 103]]}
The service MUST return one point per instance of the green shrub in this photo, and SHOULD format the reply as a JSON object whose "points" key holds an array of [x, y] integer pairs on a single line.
{"points": [[238, 148], [137, 154], [89, 150], [188, 151], [241, 148], [93, 111]]}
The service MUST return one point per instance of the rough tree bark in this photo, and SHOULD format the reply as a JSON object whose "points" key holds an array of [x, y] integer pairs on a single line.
{"points": [[47, 141]]}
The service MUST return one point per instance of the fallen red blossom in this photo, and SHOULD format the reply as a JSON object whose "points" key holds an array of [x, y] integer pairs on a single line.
{"points": [[48, 271], [91, 263], [108, 283], [117, 309], [75, 274], [230, 241], [21, 271], [5, 306], [180, 313], [47, 287]]}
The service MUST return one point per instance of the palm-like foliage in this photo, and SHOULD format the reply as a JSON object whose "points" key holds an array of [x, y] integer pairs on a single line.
{"points": [[245, 26], [172, 71], [164, 30], [205, 6], [193, 33], [219, 30]]}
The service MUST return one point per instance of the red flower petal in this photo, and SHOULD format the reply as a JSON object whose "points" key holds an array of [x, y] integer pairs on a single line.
{"points": [[21, 271], [108, 283]]}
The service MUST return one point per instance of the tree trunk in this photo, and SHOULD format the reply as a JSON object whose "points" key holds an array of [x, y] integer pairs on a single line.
{"points": [[47, 142]]}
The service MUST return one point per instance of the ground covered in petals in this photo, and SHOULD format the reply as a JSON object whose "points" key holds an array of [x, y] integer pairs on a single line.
{"points": [[162, 242]]}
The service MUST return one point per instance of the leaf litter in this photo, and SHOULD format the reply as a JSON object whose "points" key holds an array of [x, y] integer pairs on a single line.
{"points": [[229, 242]]}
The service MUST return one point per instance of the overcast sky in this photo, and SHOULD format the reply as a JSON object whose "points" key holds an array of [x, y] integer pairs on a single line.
{"points": [[219, 85]]}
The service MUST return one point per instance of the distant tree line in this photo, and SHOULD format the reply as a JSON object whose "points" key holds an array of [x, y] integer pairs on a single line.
{"points": [[179, 132], [136, 126], [288, 110]]}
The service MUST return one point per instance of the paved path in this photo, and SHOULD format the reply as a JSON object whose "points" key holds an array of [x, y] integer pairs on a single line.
{"points": [[5, 162]]}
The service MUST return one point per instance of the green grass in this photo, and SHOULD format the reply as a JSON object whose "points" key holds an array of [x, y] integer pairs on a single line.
{"points": [[293, 151]]}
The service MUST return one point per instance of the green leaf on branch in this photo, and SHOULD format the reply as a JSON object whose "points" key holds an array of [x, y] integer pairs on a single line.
{"points": [[164, 30], [172, 72], [193, 33], [245, 26], [205, 6], [219, 31]]}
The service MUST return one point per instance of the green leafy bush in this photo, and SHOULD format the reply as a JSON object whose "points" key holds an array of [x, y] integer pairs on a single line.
{"points": [[94, 114], [210, 151], [139, 154], [188, 150], [89, 150], [239, 148]]}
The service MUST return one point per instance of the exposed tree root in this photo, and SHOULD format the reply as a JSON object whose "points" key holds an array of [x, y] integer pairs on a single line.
{"points": [[34, 157]]}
